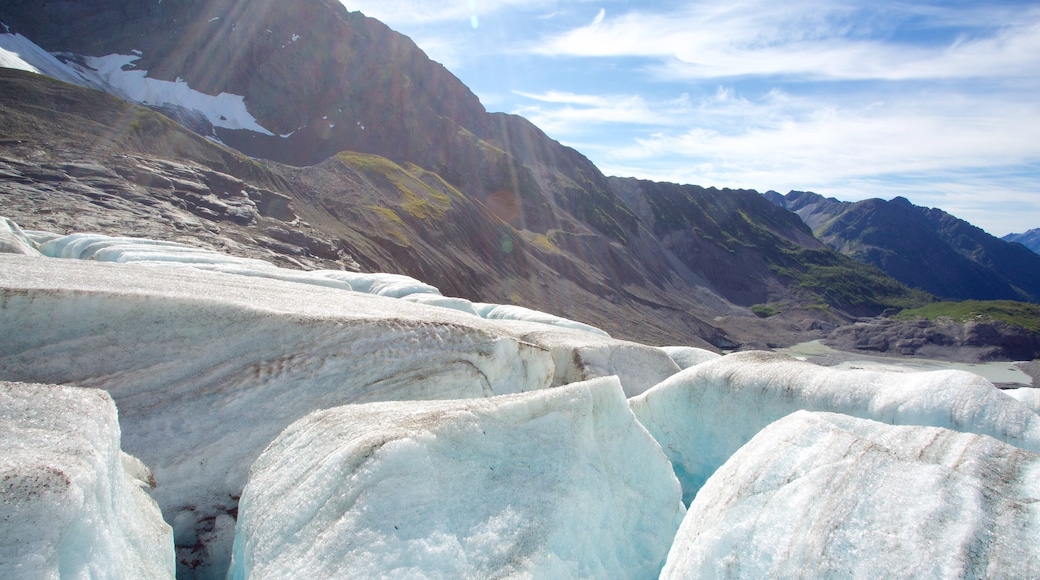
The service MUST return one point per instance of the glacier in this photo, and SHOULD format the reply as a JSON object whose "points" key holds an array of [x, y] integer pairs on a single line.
{"points": [[704, 414], [14, 240], [515, 444], [208, 367], [829, 495], [512, 312], [69, 507], [688, 356], [560, 483], [1028, 396]]}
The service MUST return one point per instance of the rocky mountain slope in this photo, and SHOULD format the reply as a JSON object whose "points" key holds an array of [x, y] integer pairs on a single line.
{"points": [[922, 247], [1029, 239], [75, 160]]}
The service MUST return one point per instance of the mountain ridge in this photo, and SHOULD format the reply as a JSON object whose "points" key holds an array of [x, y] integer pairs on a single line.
{"points": [[1029, 239], [925, 248]]}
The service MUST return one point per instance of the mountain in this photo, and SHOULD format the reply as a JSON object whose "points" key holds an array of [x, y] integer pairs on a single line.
{"points": [[922, 247], [1029, 239], [391, 164], [74, 159], [756, 253]]}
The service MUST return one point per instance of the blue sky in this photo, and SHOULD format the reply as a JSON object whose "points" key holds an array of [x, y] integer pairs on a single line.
{"points": [[936, 101]]}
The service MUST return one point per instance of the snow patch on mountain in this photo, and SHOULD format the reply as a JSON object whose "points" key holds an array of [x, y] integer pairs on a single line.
{"points": [[18, 52], [117, 73]]}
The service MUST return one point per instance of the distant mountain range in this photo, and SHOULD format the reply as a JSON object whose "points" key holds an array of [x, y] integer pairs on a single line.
{"points": [[921, 247], [1029, 239]]}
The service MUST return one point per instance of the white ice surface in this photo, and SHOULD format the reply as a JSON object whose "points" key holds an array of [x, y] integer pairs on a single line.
{"points": [[577, 357], [382, 284], [1028, 396], [116, 73], [84, 246], [688, 356], [580, 356], [13, 240], [68, 509], [207, 368], [18, 52], [830, 496], [560, 483], [460, 304], [702, 415], [510, 312]]}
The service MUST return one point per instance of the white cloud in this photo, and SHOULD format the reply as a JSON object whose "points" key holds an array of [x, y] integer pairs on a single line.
{"points": [[599, 16], [965, 154], [563, 113], [826, 144], [804, 39]]}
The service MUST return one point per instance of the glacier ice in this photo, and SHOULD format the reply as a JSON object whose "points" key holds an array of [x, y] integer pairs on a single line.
{"points": [[828, 495], [209, 357], [580, 356], [688, 356], [84, 246], [15, 241], [702, 415], [383, 284], [511, 312], [68, 507], [560, 483], [208, 368], [1028, 396], [102, 248], [460, 304]]}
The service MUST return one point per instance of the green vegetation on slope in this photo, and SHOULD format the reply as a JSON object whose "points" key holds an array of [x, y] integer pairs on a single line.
{"points": [[422, 194], [847, 284], [1021, 314]]}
